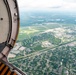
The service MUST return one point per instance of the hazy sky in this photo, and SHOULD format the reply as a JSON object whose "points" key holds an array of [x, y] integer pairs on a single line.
{"points": [[48, 4]]}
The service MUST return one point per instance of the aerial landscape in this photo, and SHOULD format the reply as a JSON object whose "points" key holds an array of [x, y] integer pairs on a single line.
{"points": [[46, 43], [46, 47]]}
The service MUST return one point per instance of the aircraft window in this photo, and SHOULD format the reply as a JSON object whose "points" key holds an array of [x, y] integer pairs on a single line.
{"points": [[46, 43]]}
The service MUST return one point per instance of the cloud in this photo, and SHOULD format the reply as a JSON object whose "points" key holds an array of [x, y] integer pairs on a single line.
{"points": [[39, 3], [72, 1], [55, 7], [48, 4]]}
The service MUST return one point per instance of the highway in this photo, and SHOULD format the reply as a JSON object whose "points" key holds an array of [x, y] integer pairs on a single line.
{"points": [[39, 52]]}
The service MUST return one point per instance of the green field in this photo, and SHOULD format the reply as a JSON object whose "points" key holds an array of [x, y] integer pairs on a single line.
{"points": [[26, 32]]}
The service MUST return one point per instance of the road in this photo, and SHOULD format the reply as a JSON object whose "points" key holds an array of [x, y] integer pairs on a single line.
{"points": [[39, 52]]}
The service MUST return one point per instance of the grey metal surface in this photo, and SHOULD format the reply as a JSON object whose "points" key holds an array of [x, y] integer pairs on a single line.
{"points": [[2, 45], [9, 24], [4, 22]]}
